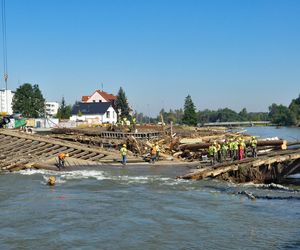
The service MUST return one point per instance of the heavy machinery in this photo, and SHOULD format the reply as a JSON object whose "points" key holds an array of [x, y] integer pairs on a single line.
{"points": [[13, 121]]}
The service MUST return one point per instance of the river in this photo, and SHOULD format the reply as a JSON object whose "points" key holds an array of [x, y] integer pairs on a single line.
{"points": [[145, 208]]}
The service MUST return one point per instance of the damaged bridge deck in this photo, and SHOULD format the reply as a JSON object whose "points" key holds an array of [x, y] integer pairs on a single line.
{"points": [[19, 150]]}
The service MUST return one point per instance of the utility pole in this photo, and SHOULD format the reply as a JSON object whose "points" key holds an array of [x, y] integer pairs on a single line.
{"points": [[5, 74]]}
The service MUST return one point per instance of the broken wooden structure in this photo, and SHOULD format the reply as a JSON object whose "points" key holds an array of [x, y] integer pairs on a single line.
{"points": [[273, 167], [19, 150]]}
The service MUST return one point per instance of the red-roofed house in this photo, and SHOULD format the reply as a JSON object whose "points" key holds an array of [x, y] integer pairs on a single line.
{"points": [[99, 96]]}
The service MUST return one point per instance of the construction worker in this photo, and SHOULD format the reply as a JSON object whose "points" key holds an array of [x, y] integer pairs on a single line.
{"points": [[253, 145], [235, 146], [212, 151], [218, 147], [157, 151], [123, 152], [240, 149], [153, 153], [224, 149], [61, 160]]}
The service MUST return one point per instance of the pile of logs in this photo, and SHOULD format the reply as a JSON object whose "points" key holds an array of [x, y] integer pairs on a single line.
{"points": [[183, 143]]}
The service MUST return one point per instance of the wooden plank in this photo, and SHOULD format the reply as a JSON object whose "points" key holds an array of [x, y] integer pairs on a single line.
{"points": [[48, 149], [21, 150], [97, 157], [234, 166], [7, 146], [86, 157], [51, 141]]}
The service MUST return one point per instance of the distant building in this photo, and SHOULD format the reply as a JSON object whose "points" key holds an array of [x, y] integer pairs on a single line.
{"points": [[6, 97], [99, 96], [94, 112], [51, 108]]}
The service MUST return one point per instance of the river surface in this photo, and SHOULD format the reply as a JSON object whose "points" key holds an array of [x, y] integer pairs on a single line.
{"points": [[145, 208]]}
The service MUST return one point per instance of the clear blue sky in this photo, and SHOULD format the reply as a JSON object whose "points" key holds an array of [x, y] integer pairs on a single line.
{"points": [[226, 53]]}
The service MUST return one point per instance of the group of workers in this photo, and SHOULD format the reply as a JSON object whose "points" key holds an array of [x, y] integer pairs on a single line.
{"points": [[154, 153], [236, 149]]}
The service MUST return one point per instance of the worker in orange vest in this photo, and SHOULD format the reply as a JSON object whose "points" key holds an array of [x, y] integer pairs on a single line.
{"points": [[153, 153], [61, 160]]}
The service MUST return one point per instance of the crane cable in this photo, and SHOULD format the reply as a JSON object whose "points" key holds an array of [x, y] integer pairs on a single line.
{"points": [[5, 74]]}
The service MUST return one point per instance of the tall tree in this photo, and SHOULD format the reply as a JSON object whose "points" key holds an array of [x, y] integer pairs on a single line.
{"points": [[295, 111], [189, 113], [122, 105], [280, 115], [243, 115], [64, 111], [29, 101]]}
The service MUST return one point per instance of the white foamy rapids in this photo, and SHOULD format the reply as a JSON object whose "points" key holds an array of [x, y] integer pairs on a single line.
{"points": [[36, 171], [294, 176], [62, 177], [268, 186]]}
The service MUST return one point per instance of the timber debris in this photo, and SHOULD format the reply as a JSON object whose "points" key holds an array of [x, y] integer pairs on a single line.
{"points": [[179, 145]]}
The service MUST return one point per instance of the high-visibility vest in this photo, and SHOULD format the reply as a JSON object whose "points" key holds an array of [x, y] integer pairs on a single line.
{"points": [[224, 147], [212, 150], [153, 150], [253, 143], [62, 156], [235, 145], [123, 151]]}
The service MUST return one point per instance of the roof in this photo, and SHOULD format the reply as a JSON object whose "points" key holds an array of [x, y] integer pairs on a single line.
{"points": [[84, 98], [106, 95], [91, 108]]}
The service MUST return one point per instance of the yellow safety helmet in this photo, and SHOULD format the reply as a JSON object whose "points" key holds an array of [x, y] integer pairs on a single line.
{"points": [[51, 181], [124, 145]]}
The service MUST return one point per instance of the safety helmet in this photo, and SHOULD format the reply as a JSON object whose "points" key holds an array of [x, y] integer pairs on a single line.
{"points": [[124, 145], [67, 155]]}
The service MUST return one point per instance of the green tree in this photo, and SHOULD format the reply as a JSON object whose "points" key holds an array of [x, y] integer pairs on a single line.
{"points": [[29, 101], [189, 113], [280, 115], [122, 105], [294, 108], [227, 115], [243, 115], [64, 111]]}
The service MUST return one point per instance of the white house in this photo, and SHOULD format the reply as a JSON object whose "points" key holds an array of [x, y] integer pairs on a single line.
{"points": [[51, 108], [99, 96], [94, 112], [6, 97]]}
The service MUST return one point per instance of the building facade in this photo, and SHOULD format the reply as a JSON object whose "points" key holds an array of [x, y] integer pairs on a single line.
{"points": [[94, 113], [6, 97], [51, 108]]}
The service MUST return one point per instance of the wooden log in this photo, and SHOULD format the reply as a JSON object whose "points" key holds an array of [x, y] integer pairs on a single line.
{"points": [[214, 171]]}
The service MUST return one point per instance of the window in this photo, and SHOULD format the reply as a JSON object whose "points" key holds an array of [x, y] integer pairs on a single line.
{"points": [[107, 114]]}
